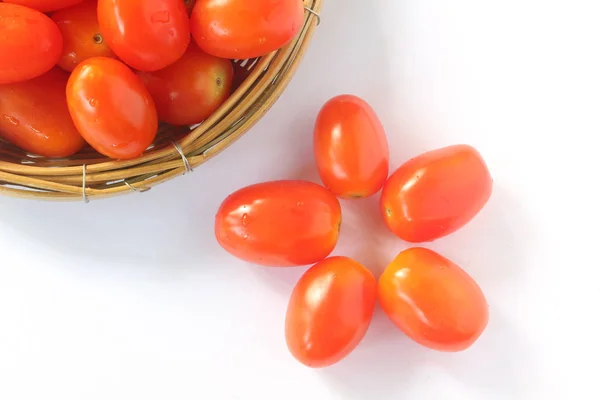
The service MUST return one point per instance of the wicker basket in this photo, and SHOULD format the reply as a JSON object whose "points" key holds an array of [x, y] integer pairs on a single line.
{"points": [[177, 150]]}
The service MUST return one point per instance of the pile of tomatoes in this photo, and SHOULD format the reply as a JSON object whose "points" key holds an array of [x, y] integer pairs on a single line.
{"points": [[106, 72], [290, 223]]}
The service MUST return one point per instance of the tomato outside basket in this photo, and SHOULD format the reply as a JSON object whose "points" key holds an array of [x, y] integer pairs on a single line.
{"points": [[177, 150]]}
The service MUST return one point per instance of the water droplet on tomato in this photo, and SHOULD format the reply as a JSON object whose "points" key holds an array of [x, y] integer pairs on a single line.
{"points": [[12, 120], [300, 204], [160, 16], [245, 236], [245, 219], [93, 102]]}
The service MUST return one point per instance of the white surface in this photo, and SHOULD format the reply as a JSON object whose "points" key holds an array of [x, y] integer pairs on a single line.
{"points": [[132, 298]]}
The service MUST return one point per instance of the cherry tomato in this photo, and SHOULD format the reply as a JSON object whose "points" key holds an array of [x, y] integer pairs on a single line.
{"points": [[241, 29], [330, 311], [350, 148], [45, 5], [147, 35], [191, 89], [432, 300], [30, 43], [436, 193], [279, 223], [81, 34], [112, 108], [35, 117]]}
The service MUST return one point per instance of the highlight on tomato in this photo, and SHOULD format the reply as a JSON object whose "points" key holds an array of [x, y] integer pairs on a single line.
{"points": [[279, 223], [81, 34], [330, 311], [34, 116], [190, 90], [45, 5], [350, 148], [433, 301], [241, 29], [30, 43], [146, 35], [111, 108], [436, 193]]}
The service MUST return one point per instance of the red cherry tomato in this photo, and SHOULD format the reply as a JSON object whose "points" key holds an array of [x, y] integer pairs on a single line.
{"points": [[432, 300], [279, 223], [241, 29], [147, 35], [45, 5], [350, 148], [330, 311], [112, 108], [35, 117], [191, 89], [81, 34], [436, 193], [30, 43]]}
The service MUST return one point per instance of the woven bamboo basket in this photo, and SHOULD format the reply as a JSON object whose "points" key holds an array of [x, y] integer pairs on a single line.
{"points": [[176, 151]]}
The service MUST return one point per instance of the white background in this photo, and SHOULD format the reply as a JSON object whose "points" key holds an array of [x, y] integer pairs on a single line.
{"points": [[131, 298]]}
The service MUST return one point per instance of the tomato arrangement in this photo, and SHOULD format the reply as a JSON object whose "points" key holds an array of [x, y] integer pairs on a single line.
{"points": [[130, 63], [292, 223]]}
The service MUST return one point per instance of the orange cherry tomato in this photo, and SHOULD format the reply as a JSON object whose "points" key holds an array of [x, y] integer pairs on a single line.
{"points": [[433, 301], [30, 43], [190, 90], [279, 223], [436, 193], [112, 108], [147, 35], [45, 5], [330, 311], [350, 148], [34, 116], [81, 34], [241, 29]]}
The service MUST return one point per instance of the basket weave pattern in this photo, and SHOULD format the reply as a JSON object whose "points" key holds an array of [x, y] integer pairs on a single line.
{"points": [[177, 150]]}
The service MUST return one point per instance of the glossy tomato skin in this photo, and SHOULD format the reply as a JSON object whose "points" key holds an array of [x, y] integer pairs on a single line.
{"points": [[81, 34], [112, 108], [147, 35], [279, 223], [34, 116], [330, 311], [433, 301], [190, 90], [30, 43], [45, 5], [241, 29], [350, 147], [436, 193]]}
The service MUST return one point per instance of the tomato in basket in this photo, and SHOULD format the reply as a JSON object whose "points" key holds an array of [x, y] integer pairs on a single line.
{"points": [[242, 29], [147, 35], [330, 311], [432, 300], [436, 193], [112, 108], [30, 43], [45, 5], [350, 147], [81, 33], [34, 116], [279, 223], [190, 90]]}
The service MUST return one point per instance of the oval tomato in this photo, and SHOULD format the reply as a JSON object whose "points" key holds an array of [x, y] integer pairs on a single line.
{"points": [[436, 193], [241, 29], [112, 108], [45, 5], [81, 33], [432, 300], [330, 311], [350, 148], [279, 223], [35, 117], [191, 89], [30, 43], [147, 35]]}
